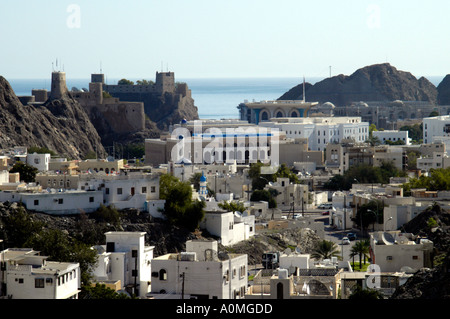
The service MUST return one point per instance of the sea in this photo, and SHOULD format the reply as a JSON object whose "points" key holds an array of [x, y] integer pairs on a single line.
{"points": [[215, 98]]}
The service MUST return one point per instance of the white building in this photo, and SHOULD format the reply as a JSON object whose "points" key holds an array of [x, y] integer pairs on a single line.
{"points": [[26, 275], [127, 259], [395, 251], [199, 273], [40, 161], [436, 129], [230, 227], [56, 202], [290, 196], [319, 131], [133, 190], [392, 136]]}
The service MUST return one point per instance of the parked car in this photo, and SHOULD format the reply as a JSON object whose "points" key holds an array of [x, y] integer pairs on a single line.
{"points": [[326, 213], [351, 236], [325, 206], [345, 241]]}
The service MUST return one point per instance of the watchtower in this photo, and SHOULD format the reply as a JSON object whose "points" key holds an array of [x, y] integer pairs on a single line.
{"points": [[59, 88], [98, 78], [165, 82]]}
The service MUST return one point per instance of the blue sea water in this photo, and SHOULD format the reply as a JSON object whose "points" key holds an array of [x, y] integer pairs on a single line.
{"points": [[216, 98]]}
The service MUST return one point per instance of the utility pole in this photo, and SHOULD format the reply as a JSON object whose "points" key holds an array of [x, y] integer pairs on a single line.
{"points": [[182, 286]]}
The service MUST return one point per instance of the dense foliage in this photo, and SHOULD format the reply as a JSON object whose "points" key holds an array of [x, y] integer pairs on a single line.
{"points": [[437, 180], [179, 207], [365, 174], [27, 172]]}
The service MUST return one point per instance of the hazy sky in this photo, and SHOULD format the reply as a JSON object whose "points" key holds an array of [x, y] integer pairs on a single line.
{"points": [[227, 38]]}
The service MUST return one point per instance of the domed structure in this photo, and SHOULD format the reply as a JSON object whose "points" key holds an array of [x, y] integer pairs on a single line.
{"points": [[328, 105]]}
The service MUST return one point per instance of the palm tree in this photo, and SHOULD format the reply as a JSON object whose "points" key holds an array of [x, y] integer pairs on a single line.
{"points": [[325, 250], [361, 248]]}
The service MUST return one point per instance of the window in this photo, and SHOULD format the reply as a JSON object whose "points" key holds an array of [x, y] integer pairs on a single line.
{"points": [[415, 257], [119, 191], [144, 190], [39, 283], [91, 199], [60, 201], [36, 202], [163, 274], [107, 191], [388, 257]]}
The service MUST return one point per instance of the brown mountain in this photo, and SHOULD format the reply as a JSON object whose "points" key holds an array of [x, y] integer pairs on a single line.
{"points": [[379, 82], [59, 124]]}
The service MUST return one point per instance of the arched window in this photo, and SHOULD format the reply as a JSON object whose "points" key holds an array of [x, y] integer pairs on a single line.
{"points": [[279, 290], [264, 116], [294, 114], [163, 274], [279, 114]]}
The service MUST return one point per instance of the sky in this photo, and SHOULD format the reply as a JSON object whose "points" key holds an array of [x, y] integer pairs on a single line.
{"points": [[217, 39]]}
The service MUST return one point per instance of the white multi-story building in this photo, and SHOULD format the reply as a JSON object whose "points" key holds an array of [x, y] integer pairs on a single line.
{"points": [[319, 131], [392, 136], [124, 191], [199, 273], [127, 259], [436, 128], [40, 161], [24, 274]]}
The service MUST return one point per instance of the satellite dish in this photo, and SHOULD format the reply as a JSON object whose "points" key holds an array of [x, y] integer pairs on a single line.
{"points": [[297, 250], [407, 270], [387, 238]]}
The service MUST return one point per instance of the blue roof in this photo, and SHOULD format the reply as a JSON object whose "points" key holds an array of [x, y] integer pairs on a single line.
{"points": [[203, 178]]}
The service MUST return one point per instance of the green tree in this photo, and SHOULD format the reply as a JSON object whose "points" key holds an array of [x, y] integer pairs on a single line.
{"points": [[264, 195], [365, 294], [438, 180], [125, 82], [100, 291], [108, 214], [258, 181], [232, 206], [434, 113], [27, 172], [179, 207], [415, 132], [370, 213], [365, 174], [361, 248], [144, 82], [20, 227], [286, 172], [325, 249], [40, 150]]}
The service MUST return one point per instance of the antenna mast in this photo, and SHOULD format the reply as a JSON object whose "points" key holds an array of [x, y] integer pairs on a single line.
{"points": [[304, 97]]}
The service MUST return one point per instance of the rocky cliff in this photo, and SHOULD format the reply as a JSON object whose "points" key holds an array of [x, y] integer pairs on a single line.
{"points": [[59, 124], [379, 82], [444, 91]]}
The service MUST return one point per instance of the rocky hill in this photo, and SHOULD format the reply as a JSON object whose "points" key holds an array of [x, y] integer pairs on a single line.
{"points": [[433, 223], [379, 82], [60, 125], [444, 91]]}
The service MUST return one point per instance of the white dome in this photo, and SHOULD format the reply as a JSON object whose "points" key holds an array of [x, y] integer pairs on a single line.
{"points": [[328, 105]]}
